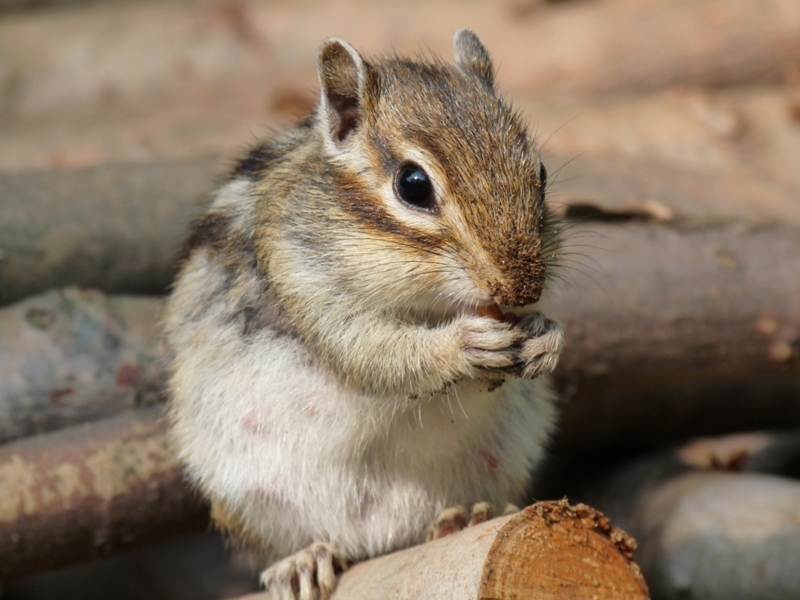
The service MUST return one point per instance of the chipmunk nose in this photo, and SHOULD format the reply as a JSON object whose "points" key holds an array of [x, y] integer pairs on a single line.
{"points": [[516, 293], [521, 274]]}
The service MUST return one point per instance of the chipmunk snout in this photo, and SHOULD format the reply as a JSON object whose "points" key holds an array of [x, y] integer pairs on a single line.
{"points": [[519, 293], [522, 274]]}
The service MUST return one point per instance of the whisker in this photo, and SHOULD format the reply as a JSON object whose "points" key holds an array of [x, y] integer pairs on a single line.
{"points": [[559, 128]]}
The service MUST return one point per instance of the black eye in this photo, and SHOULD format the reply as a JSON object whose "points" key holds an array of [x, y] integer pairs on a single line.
{"points": [[542, 177], [413, 186]]}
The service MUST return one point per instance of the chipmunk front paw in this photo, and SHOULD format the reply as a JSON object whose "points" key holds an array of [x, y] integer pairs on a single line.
{"points": [[310, 574], [488, 343], [543, 343]]}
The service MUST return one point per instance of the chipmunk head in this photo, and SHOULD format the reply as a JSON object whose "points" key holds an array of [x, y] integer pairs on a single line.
{"points": [[439, 176]]}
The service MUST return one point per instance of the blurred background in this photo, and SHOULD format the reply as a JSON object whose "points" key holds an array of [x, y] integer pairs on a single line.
{"points": [[671, 132]]}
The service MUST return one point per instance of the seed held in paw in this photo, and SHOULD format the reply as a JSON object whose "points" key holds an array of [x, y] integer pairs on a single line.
{"points": [[493, 311]]}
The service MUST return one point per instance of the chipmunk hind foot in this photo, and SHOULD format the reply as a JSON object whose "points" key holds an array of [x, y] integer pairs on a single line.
{"points": [[310, 574], [454, 518]]}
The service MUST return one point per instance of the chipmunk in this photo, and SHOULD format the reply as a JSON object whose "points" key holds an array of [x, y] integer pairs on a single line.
{"points": [[354, 349]]}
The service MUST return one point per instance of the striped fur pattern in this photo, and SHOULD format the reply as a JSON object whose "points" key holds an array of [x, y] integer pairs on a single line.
{"points": [[333, 380]]}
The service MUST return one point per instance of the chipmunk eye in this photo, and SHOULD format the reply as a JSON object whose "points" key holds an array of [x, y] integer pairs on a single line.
{"points": [[542, 177], [413, 186]]}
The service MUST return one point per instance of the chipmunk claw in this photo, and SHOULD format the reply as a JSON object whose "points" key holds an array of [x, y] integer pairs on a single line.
{"points": [[310, 574], [454, 518], [448, 521], [539, 352]]}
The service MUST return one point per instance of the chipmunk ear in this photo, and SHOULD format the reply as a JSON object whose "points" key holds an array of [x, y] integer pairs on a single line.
{"points": [[341, 77], [472, 56]]}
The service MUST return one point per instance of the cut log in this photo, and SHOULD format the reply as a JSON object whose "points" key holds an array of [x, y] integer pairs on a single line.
{"points": [[250, 49], [72, 356], [776, 453], [709, 525], [721, 535], [676, 333], [91, 490], [117, 228], [749, 132], [549, 550], [617, 188]]}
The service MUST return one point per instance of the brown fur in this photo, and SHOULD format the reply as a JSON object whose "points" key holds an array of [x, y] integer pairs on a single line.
{"points": [[232, 525], [313, 280], [209, 230], [491, 173]]}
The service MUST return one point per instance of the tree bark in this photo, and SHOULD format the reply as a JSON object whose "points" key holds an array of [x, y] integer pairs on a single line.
{"points": [[91, 490], [72, 356], [674, 333], [113, 227]]}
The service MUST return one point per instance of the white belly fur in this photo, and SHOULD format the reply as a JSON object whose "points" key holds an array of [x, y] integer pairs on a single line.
{"points": [[306, 460]]}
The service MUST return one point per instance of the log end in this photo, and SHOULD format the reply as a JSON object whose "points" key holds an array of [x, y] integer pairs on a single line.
{"points": [[554, 550]]}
